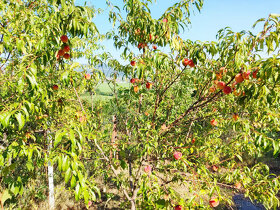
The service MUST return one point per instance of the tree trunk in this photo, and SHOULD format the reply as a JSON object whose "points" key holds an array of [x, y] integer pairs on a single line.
{"points": [[50, 175], [133, 205]]}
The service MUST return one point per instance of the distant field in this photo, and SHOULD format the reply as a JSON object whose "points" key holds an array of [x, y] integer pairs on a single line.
{"points": [[103, 92]]}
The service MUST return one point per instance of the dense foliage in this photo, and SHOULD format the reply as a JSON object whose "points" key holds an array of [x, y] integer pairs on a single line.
{"points": [[188, 131]]}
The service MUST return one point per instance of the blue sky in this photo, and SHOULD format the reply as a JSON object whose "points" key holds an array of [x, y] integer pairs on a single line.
{"points": [[216, 14]]}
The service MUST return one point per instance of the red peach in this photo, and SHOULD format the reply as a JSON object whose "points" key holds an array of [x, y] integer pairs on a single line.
{"points": [[64, 38], [221, 85], [148, 169], [66, 56], [178, 207], [235, 116], [246, 75], [227, 90], [60, 52], [66, 48], [185, 62], [214, 202], [55, 87], [239, 78], [177, 155], [214, 122], [191, 63], [148, 85], [87, 76]]}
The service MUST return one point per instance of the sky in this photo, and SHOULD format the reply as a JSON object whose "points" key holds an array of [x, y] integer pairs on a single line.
{"points": [[216, 14]]}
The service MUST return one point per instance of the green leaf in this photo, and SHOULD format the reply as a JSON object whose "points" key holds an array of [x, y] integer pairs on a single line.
{"points": [[239, 157], [20, 120], [86, 196], [67, 175], [30, 166], [58, 138], [73, 182], [5, 119], [77, 192], [65, 163], [5, 196]]}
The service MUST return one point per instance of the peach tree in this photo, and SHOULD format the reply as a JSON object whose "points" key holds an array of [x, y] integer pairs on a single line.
{"points": [[195, 121], [41, 114]]}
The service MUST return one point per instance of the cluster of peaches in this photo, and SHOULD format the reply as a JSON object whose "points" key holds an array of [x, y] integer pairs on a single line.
{"points": [[213, 202], [187, 62], [152, 38], [65, 49], [239, 78], [137, 82], [143, 45]]}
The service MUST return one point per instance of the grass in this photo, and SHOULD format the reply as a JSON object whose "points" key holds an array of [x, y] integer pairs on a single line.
{"points": [[103, 92]]}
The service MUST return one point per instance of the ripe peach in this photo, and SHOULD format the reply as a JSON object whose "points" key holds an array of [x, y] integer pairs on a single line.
{"points": [[87, 76], [221, 85], [185, 62], [227, 90], [60, 52], [235, 116], [132, 80], [66, 56], [148, 85], [150, 37], [191, 63], [133, 63], [154, 47], [214, 202], [193, 140], [148, 169], [178, 207], [177, 155], [55, 87], [214, 122], [64, 38], [165, 20], [239, 78], [136, 89], [66, 48], [237, 185], [215, 168], [246, 75]]}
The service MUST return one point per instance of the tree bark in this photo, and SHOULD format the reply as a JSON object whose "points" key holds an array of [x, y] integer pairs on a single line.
{"points": [[50, 175]]}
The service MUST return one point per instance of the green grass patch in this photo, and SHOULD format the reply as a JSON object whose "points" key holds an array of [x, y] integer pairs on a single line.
{"points": [[103, 92]]}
